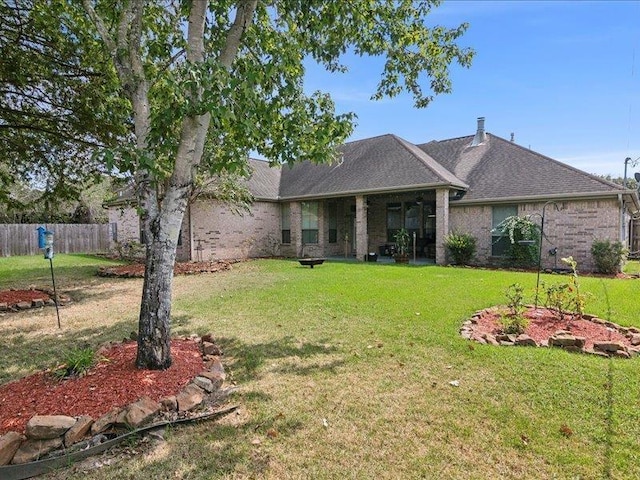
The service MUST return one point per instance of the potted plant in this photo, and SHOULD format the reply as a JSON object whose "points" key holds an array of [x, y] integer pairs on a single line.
{"points": [[402, 239]]}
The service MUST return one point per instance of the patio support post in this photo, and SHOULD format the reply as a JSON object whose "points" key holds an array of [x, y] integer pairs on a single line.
{"points": [[362, 239], [442, 223], [296, 228]]}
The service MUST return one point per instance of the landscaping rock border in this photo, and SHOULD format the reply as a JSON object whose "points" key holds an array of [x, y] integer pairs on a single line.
{"points": [[560, 339], [47, 300], [50, 433]]}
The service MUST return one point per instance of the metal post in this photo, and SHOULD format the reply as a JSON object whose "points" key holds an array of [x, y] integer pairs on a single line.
{"points": [[414, 247], [544, 207], [55, 293]]}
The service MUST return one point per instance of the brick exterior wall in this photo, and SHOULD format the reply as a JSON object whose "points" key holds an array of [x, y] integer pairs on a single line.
{"points": [[219, 233], [475, 220], [572, 230], [212, 231], [128, 224]]}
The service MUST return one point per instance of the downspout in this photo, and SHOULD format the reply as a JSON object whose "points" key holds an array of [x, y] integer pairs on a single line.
{"points": [[622, 225]]}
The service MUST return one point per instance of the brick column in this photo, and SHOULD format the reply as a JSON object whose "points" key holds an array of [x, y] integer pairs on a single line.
{"points": [[362, 238], [296, 227], [442, 223]]}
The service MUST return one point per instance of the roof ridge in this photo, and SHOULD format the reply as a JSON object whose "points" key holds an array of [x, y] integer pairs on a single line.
{"points": [[445, 140], [419, 154], [368, 138], [561, 164]]}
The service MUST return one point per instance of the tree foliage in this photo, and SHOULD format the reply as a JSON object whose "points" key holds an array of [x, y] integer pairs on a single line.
{"points": [[57, 105], [201, 84]]}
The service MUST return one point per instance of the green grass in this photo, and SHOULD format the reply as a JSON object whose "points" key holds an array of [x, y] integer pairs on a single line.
{"points": [[632, 266], [25, 271], [347, 366]]}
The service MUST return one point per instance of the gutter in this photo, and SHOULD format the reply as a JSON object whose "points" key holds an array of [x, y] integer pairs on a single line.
{"points": [[398, 189], [539, 198]]}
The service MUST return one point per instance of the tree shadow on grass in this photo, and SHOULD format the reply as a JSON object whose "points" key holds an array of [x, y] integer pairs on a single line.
{"points": [[99, 291], [244, 360], [22, 354]]}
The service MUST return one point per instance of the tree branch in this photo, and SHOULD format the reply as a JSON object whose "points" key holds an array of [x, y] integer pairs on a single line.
{"points": [[244, 16]]}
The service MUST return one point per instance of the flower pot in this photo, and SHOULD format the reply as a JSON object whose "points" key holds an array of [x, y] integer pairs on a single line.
{"points": [[401, 258]]}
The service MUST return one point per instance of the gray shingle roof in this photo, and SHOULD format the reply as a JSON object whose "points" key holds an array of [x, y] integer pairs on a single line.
{"points": [[371, 165], [499, 169], [264, 181]]}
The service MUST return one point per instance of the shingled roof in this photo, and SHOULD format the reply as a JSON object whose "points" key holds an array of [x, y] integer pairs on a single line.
{"points": [[489, 168], [264, 181], [373, 165], [498, 169]]}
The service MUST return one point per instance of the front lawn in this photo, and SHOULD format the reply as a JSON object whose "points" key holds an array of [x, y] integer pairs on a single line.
{"points": [[343, 372]]}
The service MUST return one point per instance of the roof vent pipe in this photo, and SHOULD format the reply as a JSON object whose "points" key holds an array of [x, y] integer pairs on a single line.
{"points": [[480, 136]]}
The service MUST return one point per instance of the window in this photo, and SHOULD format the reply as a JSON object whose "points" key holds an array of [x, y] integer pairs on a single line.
{"points": [[333, 222], [500, 244], [114, 231], [412, 218], [285, 215], [394, 220], [309, 222]]}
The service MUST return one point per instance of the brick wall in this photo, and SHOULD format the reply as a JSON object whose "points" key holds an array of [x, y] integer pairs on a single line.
{"points": [[219, 233], [128, 222], [572, 229], [475, 220]]}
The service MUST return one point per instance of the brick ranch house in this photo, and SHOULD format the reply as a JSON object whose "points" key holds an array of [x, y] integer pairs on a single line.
{"points": [[353, 207]]}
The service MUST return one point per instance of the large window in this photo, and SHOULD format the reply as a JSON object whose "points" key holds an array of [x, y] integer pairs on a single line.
{"points": [[394, 220], [285, 220], [499, 243], [412, 218], [333, 222], [309, 222]]}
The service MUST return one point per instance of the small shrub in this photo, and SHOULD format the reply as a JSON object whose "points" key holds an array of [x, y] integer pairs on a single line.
{"points": [[557, 298], [76, 363], [461, 247], [515, 322], [129, 250], [402, 239], [566, 298], [608, 256]]}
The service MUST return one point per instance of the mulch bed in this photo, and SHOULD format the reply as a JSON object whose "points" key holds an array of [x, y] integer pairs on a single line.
{"points": [[13, 297], [113, 382], [180, 268], [543, 323]]}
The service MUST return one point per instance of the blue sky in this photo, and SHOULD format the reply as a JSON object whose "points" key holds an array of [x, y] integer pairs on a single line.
{"points": [[564, 77]]}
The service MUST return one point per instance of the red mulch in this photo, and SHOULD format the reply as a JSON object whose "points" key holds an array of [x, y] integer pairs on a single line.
{"points": [[543, 323], [115, 382], [13, 297], [180, 268]]}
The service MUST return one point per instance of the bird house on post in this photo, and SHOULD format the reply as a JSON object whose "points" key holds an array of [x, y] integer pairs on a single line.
{"points": [[45, 241]]}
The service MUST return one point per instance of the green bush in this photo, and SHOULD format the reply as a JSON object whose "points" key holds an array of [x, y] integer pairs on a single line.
{"points": [[461, 247], [515, 322], [76, 363], [608, 256]]}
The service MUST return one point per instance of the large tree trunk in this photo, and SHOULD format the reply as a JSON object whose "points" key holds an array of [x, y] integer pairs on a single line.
{"points": [[155, 310]]}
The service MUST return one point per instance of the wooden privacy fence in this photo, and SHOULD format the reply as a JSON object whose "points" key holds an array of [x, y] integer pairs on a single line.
{"points": [[22, 239]]}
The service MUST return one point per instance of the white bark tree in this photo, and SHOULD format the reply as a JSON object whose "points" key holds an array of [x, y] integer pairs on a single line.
{"points": [[208, 82]]}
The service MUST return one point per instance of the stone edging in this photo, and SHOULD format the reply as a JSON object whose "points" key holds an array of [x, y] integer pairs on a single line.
{"points": [[561, 338], [48, 433], [36, 302]]}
